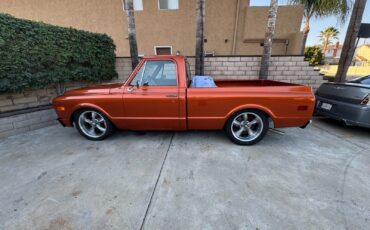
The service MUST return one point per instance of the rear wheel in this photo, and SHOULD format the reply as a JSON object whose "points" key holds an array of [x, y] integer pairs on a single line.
{"points": [[247, 127], [93, 125]]}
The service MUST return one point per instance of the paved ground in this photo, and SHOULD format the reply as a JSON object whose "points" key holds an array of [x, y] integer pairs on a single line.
{"points": [[318, 178]]}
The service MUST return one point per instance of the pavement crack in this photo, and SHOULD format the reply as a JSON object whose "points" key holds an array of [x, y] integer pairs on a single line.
{"points": [[343, 183], [156, 184]]}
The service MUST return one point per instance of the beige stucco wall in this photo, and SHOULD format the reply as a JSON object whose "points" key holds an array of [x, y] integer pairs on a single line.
{"points": [[288, 25], [174, 28], [90, 15], [363, 52]]}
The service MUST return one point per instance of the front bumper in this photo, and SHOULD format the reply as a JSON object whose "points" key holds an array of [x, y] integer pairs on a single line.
{"points": [[352, 114]]}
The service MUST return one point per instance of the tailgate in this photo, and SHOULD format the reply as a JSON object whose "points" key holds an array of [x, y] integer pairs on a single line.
{"points": [[349, 93]]}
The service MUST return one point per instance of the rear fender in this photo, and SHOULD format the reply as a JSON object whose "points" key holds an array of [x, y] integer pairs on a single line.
{"points": [[252, 106]]}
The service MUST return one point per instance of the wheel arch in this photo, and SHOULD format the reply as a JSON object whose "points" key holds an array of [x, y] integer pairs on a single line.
{"points": [[269, 114], [86, 106]]}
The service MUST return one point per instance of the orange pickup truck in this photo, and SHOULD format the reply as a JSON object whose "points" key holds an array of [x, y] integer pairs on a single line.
{"points": [[159, 95]]}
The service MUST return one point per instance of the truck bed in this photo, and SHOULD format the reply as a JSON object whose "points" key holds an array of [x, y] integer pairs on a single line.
{"points": [[250, 83], [288, 105]]}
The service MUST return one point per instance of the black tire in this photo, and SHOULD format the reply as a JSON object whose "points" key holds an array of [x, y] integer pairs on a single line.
{"points": [[248, 127], [97, 125]]}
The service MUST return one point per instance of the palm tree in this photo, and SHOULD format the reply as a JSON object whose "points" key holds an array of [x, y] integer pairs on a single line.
{"points": [[320, 8], [199, 49], [327, 35], [129, 7], [348, 48], [269, 36]]}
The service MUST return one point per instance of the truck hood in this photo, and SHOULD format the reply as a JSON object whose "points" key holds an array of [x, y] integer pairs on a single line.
{"points": [[93, 89]]}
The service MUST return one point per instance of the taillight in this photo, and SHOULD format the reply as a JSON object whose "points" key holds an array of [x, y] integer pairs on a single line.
{"points": [[366, 101]]}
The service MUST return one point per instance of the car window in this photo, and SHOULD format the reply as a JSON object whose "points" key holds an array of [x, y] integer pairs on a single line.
{"points": [[156, 73], [138, 76], [362, 80], [366, 81]]}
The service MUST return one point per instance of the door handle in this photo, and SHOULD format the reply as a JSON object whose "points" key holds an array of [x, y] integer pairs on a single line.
{"points": [[171, 95]]}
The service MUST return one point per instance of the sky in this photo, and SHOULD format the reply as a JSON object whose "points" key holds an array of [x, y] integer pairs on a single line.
{"points": [[318, 24]]}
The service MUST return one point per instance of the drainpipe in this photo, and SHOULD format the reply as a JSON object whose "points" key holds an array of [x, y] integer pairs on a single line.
{"points": [[236, 26]]}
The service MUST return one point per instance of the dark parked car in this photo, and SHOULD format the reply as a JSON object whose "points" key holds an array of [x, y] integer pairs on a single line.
{"points": [[349, 102]]}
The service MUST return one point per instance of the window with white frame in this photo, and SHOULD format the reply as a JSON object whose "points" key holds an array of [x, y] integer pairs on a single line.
{"points": [[138, 5], [168, 4]]}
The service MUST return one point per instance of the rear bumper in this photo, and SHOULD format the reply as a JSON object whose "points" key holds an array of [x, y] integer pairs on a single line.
{"points": [[352, 114]]}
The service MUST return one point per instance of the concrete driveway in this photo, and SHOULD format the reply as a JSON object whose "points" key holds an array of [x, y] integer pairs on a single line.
{"points": [[317, 178]]}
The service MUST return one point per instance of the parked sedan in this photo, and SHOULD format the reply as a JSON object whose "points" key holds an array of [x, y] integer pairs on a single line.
{"points": [[349, 102]]}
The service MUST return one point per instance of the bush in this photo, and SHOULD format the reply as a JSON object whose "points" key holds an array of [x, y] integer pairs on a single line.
{"points": [[313, 55], [35, 55]]}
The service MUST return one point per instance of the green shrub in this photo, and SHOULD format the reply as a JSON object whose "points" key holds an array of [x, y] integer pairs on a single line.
{"points": [[35, 55], [313, 55]]}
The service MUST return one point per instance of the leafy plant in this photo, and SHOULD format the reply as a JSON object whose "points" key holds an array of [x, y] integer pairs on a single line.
{"points": [[320, 9], [35, 55], [314, 55], [326, 35]]}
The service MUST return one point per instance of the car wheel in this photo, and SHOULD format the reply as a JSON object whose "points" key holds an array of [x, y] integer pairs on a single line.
{"points": [[93, 125], [247, 127]]}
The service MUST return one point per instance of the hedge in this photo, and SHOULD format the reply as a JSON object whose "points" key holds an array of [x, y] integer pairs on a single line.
{"points": [[35, 55], [314, 55]]}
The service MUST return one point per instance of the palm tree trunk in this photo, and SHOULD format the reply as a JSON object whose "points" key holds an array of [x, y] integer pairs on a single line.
{"points": [[129, 6], [306, 30], [348, 49], [199, 49], [325, 47], [269, 36]]}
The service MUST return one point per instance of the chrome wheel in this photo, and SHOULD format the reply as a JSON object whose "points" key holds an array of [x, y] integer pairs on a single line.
{"points": [[247, 126], [92, 124]]}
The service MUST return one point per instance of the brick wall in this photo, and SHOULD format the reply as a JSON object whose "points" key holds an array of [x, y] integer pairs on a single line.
{"points": [[288, 69], [123, 69]]}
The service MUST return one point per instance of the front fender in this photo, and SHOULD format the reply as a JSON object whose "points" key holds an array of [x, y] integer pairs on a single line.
{"points": [[87, 106]]}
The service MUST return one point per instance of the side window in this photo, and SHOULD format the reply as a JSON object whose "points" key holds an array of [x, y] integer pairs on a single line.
{"points": [[138, 76], [138, 5], [156, 73], [168, 4], [188, 71]]}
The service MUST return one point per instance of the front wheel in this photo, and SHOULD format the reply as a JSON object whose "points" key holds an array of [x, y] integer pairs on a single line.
{"points": [[247, 127], [93, 125]]}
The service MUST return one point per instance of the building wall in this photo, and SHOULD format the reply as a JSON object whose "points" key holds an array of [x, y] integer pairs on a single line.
{"points": [[288, 25], [174, 28], [363, 53], [90, 15]]}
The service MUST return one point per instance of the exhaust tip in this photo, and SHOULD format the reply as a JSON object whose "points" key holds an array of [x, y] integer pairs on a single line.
{"points": [[305, 125]]}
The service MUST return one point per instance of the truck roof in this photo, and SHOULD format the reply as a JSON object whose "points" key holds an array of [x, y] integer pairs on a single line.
{"points": [[160, 57]]}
